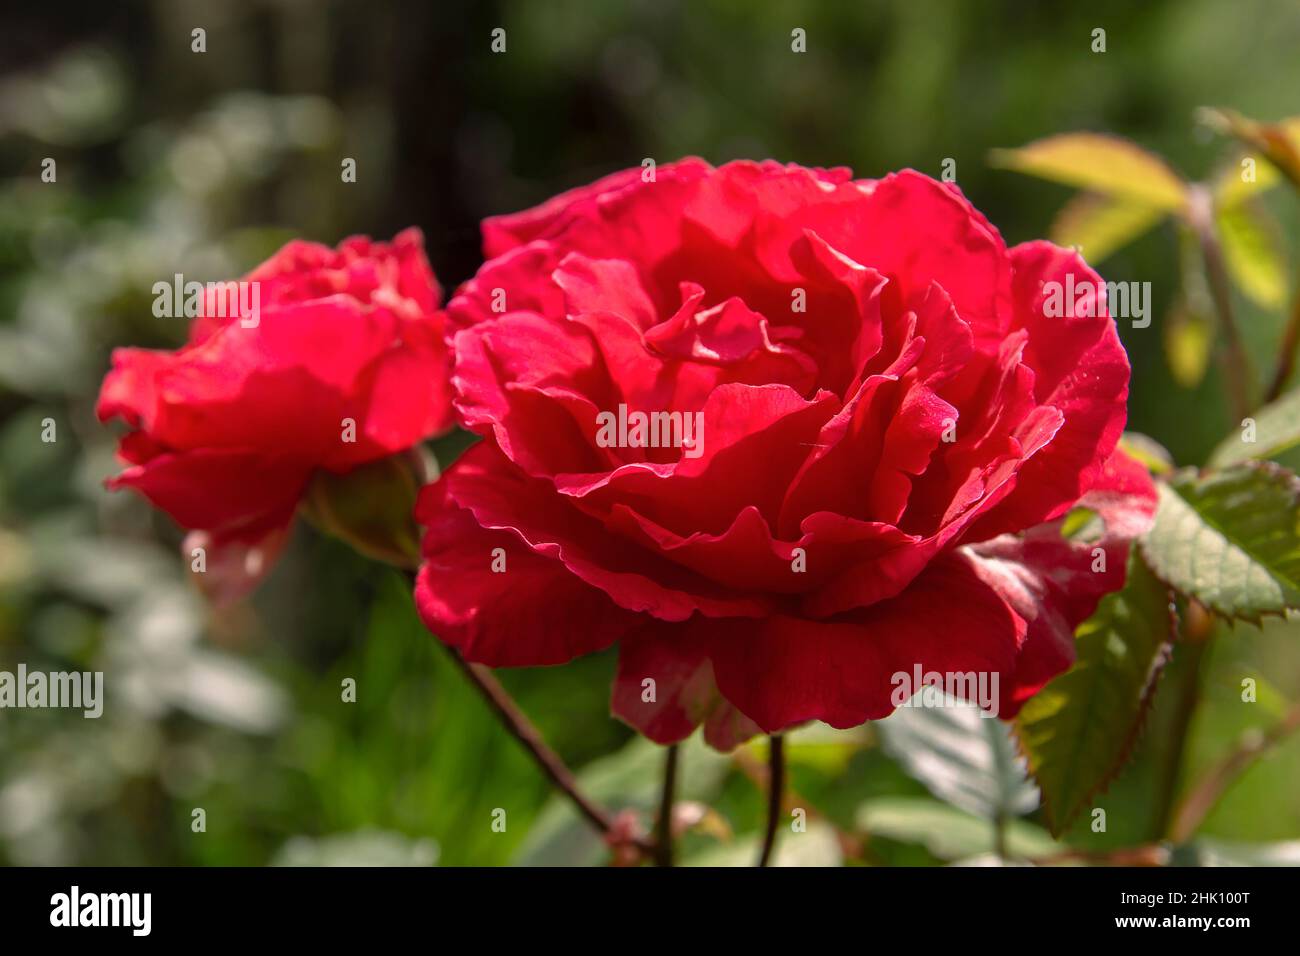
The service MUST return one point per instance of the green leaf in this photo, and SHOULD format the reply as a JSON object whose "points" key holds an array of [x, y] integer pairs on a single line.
{"points": [[1099, 225], [630, 778], [1231, 539], [945, 831], [1078, 731], [819, 746], [1147, 451], [1254, 252], [1081, 523], [818, 845], [1099, 163], [1276, 432], [963, 757]]}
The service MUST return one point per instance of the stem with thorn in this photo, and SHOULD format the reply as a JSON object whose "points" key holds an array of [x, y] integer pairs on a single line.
{"points": [[1236, 367], [1186, 692], [1223, 774], [1236, 374], [1286, 352], [522, 729], [530, 738]]}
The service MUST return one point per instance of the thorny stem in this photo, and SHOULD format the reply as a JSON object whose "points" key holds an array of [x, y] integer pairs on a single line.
{"points": [[1202, 800], [1237, 378], [522, 729], [664, 830], [775, 789], [1187, 695], [1286, 353], [1236, 368]]}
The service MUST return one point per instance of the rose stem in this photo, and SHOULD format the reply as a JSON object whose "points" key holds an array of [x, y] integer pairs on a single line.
{"points": [[1237, 377], [775, 787], [1202, 800], [1236, 368], [1192, 644], [530, 738], [664, 831], [1287, 351], [522, 729]]}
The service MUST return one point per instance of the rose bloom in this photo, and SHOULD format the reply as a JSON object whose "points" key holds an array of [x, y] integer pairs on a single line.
{"points": [[889, 434], [227, 431]]}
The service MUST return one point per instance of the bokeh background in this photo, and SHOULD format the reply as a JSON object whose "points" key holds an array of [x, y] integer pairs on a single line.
{"points": [[173, 161]]}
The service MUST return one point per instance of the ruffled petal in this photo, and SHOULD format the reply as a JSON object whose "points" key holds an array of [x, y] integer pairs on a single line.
{"points": [[501, 603], [665, 689]]}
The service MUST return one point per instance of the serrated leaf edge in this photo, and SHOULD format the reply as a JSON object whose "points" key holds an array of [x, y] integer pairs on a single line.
{"points": [[1057, 826], [1274, 470]]}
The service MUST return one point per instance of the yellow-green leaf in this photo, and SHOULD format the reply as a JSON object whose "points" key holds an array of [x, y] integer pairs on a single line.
{"points": [[1248, 176], [1100, 224], [1254, 251], [1099, 163], [1148, 452], [1188, 338], [1273, 433]]}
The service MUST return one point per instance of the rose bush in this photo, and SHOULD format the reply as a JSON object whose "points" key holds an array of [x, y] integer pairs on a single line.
{"points": [[227, 431], [892, 433]]}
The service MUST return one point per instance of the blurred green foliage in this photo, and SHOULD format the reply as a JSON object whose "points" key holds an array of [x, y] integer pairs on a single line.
{"points": [[170, 161]]}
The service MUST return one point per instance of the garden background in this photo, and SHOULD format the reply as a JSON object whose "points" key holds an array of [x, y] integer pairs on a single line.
{"points": [[171, 161]]}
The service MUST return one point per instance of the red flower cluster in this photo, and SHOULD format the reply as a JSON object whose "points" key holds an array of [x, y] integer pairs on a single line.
{"points": [[780, 434], [344, 364]]}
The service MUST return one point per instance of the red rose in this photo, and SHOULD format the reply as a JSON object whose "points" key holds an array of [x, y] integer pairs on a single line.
{"points": [[227, 431], [886, 430]]}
